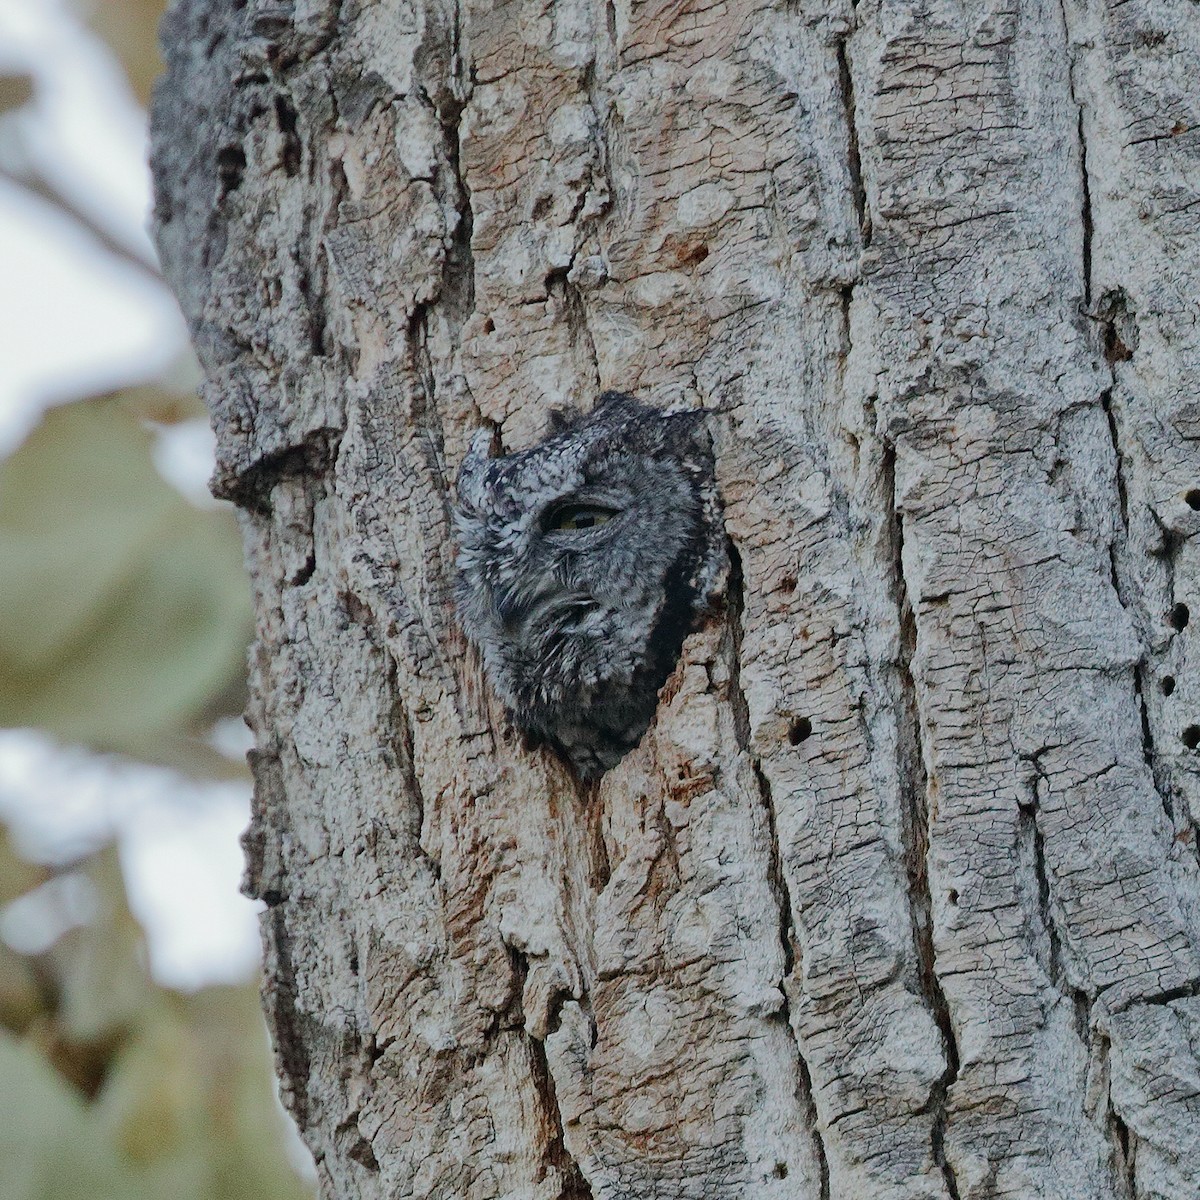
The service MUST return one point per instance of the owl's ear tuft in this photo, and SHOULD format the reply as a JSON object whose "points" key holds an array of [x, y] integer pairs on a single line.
{"points": [[617, 401], [561, 419], [471, 485], [691, 424]]}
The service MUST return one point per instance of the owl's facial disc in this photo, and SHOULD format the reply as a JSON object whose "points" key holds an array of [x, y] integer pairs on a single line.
{"points": [[583, 562], [568, 570]]}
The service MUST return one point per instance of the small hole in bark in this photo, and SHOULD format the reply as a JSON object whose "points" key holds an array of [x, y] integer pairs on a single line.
{"points": [[362, 1154], [781, 1171], [952, 895], [788, 583], [800, 729], [1192, 496], [1179, 616], [231, 166], [1191, 737], [541, 206], [1167, 684], [489, 326], [1115, 350], [292, 151]]}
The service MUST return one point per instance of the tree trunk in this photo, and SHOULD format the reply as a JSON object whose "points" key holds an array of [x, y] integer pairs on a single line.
{"points": [[899, 895]]}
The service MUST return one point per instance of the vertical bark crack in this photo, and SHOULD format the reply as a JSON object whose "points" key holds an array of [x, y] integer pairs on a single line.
{"points": [[1085, 187], [1127, 593], [458, 270], [776, 871], [1085, 215], [1033, 843], [574, 1183], [1114, 434], [915, 834], [404, 751], [1122, 1139], [456, 296], [455, 299], [853, 158]]}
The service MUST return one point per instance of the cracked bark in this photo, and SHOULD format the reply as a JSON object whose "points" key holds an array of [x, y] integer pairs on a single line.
{"points": [[899, 896]]}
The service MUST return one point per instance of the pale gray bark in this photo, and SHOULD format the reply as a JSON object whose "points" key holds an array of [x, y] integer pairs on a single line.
{"points": [[899, 896]]}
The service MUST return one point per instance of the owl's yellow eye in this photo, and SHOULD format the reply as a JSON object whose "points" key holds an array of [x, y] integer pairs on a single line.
{"points": [[578, 516]]}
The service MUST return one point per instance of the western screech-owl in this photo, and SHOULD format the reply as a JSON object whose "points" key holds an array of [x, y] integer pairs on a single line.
{"points": [[583, 562]]}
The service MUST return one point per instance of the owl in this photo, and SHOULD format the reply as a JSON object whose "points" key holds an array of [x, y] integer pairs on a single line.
{"points": [[583, 563]]}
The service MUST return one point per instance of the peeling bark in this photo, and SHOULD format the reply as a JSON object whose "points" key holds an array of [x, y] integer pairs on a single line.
{"points": [[899, 896]]}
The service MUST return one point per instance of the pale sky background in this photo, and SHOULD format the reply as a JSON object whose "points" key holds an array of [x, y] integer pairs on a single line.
{"points": [[73, 321]]}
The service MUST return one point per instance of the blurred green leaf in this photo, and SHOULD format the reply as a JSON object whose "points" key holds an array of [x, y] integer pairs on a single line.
{"points": [[15, 90], [130, 27], [123, 1090], [51, 1146], [20, 995], [100, 969], [126, 609], [185, 1113], [190, 1099], [124, 617], [16, 875]]}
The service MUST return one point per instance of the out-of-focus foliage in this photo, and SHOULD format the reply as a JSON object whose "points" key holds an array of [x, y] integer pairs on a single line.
{"points": [[130, 27], [126, 609], [124, 616], [15, 90], [114, 1089], [19, 996]]}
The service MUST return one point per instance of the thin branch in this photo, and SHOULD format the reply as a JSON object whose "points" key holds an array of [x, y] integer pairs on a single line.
{"points": [[34, 182]]}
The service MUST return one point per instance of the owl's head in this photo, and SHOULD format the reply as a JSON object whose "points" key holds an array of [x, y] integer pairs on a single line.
{"points": [[582, 562]]}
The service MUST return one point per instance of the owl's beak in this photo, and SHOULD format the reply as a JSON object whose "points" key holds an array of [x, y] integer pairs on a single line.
{"points": [[509, 606], [515, 605]]}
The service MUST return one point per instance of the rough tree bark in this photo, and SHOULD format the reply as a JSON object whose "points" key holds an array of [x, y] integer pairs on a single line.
{"points": [[899, 896]]}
